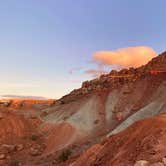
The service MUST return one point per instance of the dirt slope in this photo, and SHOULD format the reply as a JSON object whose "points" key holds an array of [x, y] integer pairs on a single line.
{"points": [[144, 140]]}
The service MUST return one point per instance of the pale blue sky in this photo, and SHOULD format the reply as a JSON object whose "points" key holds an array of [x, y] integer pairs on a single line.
{"points": [[41, 41]]}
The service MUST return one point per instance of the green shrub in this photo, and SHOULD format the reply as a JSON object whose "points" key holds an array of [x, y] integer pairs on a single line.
{"points": [[14, 163], [64, 155]]}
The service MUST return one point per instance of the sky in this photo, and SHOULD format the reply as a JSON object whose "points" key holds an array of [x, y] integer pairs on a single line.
{"points": [[46, 46]]}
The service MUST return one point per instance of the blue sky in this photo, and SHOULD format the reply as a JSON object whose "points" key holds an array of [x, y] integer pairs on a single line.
{"points": [[41, 41]]}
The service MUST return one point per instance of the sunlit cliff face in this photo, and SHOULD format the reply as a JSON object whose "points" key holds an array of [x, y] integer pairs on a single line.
{"points": [[125, 57]]}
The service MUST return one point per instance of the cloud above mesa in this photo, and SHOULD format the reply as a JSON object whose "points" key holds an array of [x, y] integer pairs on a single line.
{"points": [[125, 57]]}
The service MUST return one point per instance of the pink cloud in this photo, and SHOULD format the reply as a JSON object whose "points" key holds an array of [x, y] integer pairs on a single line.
{"points": [[125, 57]]}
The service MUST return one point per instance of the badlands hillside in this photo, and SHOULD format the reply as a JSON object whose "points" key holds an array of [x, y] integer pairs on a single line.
{"points": [[98, 124]]}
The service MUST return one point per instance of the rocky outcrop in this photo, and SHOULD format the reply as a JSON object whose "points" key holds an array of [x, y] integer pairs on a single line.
{"points": [[147, 163], [142, 163], [115, 79]]}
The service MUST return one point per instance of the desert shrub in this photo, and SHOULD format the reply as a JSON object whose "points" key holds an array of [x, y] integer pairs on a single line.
{"points": [[96, 121], [44, 113], [62, 102], [7, 104], [34, 137], [53, 103], [21, 104], [14, 163], [64, 155]]}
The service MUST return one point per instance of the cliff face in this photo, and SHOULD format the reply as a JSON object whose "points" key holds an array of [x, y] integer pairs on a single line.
{"points": [[116, 79]]}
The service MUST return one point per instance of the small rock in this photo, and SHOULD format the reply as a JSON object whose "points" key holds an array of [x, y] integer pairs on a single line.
{"points": [[1, 116], [142, 163], [8, 157], [9, 148], [20, 164], [35, 152], [164, 161], [54, 162], [96, 121], [19, 147], [29, 145], [119, 116], [33, 116], [2, 156], [157, 164]]}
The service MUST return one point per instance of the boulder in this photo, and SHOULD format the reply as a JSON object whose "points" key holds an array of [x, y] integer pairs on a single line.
{"points": [[9, 148], [1, 116], [119, 116], [157, 164], [142, 163], [35, 152], [19, 147], [2, 156], [85, 84], [113, 72], [164, 161]]}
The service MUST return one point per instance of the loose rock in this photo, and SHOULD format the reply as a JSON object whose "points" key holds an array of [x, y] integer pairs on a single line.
{"points": [[19, 147], [157, 164], [142, 163], [164, 161], [2, 156]]}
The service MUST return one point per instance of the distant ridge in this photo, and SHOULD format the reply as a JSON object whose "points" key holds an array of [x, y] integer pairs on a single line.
{"points": [[22, 97]]}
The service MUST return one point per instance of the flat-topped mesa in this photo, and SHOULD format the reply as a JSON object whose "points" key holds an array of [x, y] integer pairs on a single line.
{"points": [[115, 79], [25, 103], [112, 80], [105, 82]]}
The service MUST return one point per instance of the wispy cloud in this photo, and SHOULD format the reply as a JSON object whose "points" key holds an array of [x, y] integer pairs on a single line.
{"points": [[19, 85], [95, 73], [73, 70], [22, 97]]}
